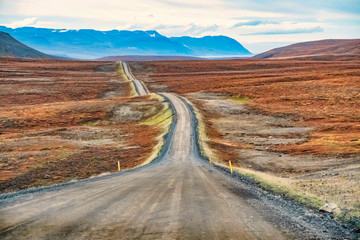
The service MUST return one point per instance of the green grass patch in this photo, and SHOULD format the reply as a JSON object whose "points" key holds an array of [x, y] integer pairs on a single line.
{"points": [[121, 72], [160, 117]]}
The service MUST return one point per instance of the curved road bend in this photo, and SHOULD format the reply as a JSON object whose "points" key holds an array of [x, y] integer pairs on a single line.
{"points": [[139, 86], [180, 197]]}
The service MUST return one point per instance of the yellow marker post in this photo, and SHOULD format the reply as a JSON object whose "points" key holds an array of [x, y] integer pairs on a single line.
{"points": [[230, 167], [118, 166], [210, 160]]}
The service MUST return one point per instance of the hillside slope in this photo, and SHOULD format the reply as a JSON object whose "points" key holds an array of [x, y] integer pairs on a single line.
{"points": [[91, 44], [10, 47], [315, 48]]}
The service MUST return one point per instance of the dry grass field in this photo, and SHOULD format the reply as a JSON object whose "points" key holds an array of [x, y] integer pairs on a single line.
{"points": [[323, 48], [294, 123], [66, 120]]}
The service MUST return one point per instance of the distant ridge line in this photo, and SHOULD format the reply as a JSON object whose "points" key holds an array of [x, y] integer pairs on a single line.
{"points": [[144, 58]]}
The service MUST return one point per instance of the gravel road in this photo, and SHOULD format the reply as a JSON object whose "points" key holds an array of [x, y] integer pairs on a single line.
{"points": [[139, 85], [178, 197]]}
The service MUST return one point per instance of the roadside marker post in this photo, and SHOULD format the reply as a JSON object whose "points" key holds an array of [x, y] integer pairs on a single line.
{"points": [[230, 167], [210, 160], [118, 166]]}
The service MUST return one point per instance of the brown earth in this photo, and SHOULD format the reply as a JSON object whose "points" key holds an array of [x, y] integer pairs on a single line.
{"points": [[315, 48], [322, 95], [297, 121], [66, 120], [42, 81]]}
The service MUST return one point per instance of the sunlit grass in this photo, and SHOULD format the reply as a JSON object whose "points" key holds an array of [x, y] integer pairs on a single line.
{"points": [[160, 117], [124, 77], [241, 99]]}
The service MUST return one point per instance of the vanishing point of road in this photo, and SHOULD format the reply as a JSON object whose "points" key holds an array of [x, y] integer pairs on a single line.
{"points": [[179, 197]]}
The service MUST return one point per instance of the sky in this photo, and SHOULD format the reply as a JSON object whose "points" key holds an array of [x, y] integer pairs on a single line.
{"points": [[258, 25]]}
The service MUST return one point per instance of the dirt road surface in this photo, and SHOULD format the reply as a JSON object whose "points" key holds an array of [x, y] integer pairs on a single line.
{"points": [[178, 197], [139, 86]]}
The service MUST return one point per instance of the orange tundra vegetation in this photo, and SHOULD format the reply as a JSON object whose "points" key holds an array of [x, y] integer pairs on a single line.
{"points": [[322, 94], [293, 123], [65, 120]]}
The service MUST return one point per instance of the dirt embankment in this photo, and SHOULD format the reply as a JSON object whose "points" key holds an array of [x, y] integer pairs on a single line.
{"points": [[65, 120], [293, 122]]}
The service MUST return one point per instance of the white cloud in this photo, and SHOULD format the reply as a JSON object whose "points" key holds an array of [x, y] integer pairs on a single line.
{"points": [[184, 12], [190, 29], [23, 23], [187, 17]]}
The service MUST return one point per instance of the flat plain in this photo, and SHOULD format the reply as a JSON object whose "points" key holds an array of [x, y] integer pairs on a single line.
{"points": [[66, 120]]}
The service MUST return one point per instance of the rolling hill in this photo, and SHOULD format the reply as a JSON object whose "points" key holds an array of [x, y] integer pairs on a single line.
{"points": [[338, 47], [10, 47], [90, 44]]}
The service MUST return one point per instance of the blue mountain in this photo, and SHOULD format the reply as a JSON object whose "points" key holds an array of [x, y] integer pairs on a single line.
{"points": [[212, 45], [89, 43], [10, 47]]}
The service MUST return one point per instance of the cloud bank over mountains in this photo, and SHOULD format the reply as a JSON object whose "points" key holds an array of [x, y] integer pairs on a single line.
{"points": [[253, 22]]}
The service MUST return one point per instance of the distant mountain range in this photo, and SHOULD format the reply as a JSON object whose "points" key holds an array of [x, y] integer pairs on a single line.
{"points": [[212, 45], [10, 47], [90, 44], [333, 47], [151, 46], [145, 58]]}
